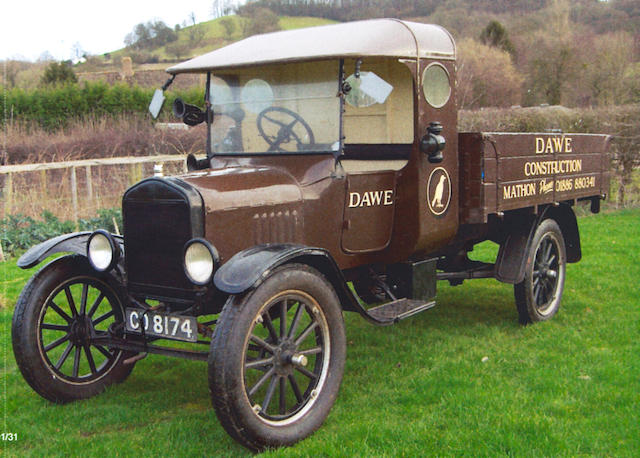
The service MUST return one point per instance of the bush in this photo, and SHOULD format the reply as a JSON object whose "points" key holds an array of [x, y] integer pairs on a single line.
{"points": [[486, 76], [54, 107], [19, 232], [59, 73]]}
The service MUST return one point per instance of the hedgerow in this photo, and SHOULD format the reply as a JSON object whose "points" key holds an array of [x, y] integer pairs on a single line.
{"points": [[54, 107]]}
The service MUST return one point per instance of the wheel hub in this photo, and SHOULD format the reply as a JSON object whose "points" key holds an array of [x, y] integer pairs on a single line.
{"points": [[81, 330], [283, 356]]}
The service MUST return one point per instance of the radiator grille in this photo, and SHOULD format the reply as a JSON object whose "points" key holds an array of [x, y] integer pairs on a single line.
{"points": [[157, 224]]}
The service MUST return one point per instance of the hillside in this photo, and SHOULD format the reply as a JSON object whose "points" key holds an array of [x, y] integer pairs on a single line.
{"points": [[192, 41], [510, 52]]}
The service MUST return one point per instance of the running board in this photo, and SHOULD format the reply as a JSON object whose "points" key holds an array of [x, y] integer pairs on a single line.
{"points": [[394, 311]]}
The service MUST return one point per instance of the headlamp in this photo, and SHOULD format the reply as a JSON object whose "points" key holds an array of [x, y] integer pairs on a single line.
{"points": [[200, 261], [102, 250]]}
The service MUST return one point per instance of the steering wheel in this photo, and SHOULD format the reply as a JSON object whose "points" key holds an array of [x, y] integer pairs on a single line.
{"points": [[285, 128]]}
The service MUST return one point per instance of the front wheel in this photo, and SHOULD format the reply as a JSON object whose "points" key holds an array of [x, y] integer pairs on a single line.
{"points": [[277, 358], [538, 296], [58, 314]]}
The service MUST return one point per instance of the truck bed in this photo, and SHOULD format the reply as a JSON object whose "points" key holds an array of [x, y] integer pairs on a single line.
{"points": [[506, 171]]}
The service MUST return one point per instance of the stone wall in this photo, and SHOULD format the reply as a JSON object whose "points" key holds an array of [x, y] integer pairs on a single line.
{"points": [[143, 78]]}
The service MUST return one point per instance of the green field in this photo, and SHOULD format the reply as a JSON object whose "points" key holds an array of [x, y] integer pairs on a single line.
{"points": [[569, 387]]}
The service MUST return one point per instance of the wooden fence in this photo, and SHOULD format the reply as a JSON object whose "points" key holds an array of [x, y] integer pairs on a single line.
{"points": [[75, 189]]}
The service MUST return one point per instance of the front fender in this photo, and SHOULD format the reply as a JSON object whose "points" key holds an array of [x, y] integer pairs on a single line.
{"points": [[246, 269], [75, 242]]}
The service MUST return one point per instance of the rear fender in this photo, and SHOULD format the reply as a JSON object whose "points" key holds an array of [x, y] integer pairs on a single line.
{"points": [[75, 242], [248, 268], [512, 257]]}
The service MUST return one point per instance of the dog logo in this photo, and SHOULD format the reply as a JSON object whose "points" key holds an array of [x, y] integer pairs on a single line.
{"points": [[438, 191]]}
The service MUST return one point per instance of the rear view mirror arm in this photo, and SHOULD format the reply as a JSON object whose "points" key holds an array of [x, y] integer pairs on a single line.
{"points": [[167, 83]]}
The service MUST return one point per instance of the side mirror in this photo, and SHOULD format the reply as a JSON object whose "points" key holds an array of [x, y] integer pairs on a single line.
{"points": [[158, 98], [156, 103], [433, 143], [191, 115]]}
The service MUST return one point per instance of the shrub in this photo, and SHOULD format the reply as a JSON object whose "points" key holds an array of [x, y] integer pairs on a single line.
{"points": [[486, 76], [54, 107], [59, 73], [19, 232]]}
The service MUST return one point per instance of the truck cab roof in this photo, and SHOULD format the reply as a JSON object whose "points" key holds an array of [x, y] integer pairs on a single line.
{"points": [[376, 37]]}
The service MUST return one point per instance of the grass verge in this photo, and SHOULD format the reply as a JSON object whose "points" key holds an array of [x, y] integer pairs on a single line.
{"points": [[566, 387]]}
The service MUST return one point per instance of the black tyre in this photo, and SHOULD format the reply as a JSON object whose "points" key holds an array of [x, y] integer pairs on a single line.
{"points": [[59, 310], [538, 296], [277, 358]]}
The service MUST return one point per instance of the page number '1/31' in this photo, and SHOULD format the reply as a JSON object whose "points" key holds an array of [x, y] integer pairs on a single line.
{"points": [[9, 437]]}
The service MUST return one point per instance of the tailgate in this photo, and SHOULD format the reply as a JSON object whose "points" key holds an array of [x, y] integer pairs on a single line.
{"points": [[506, 171]]}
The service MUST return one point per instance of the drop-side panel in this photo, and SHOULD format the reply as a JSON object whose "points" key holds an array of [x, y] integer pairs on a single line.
{"points": [[506, 171]]}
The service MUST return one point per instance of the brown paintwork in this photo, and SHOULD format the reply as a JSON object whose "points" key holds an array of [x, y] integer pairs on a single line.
{"points": [[311, 199], [305, 199], [525, 170]]}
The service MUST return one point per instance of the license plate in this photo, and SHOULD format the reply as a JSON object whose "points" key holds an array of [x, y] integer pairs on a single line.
{"points": [[159, 324]]}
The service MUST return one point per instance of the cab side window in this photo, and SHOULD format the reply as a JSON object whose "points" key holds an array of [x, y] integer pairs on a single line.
{"points": [[378, 120]]}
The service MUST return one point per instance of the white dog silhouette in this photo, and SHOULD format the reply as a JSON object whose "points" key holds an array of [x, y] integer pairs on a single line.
{"points": [[437, 198]]}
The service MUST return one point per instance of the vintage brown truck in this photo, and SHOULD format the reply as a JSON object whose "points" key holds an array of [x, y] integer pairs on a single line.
{"points": [[335, 177]]}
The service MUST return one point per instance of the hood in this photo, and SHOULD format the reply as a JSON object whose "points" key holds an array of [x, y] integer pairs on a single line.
{"points": [[244, 186]]}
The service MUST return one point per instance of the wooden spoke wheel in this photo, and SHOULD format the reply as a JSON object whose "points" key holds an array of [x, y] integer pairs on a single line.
{"points": [[60, 312], [538, 296], [277, 358]]}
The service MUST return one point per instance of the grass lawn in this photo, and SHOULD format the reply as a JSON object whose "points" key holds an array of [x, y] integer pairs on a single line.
{"points": [[567, 387]]}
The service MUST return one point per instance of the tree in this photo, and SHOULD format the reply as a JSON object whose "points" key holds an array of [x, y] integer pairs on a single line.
{"points": [[178, 49], [553, 63], [486, 77], [625, 147], [10, 71], [59, 73], [494, 34], [150, 35], [221, 8], [258, 20], [608, 69], [196, 34], [229, 26]]}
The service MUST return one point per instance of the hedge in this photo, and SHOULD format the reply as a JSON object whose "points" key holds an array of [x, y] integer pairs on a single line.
{"points": [[54, 107]]}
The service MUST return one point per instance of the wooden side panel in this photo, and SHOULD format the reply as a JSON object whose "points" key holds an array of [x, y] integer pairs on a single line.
{"points": [[478, 174], [505, 171]]}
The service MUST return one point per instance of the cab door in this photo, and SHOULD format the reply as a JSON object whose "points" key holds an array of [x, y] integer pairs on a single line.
{"points": [[369, 211], [438, 191]]}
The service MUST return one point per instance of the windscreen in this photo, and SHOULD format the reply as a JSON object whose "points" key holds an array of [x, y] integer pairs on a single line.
{"points": [[279, 109]]}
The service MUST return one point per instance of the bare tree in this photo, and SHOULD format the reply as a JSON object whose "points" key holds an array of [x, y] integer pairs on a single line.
{"points": [[221, 8]]}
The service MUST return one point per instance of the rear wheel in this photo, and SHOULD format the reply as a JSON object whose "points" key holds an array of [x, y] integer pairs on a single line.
{"points": [[538, 296], [59, 312], [277, 358]]}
